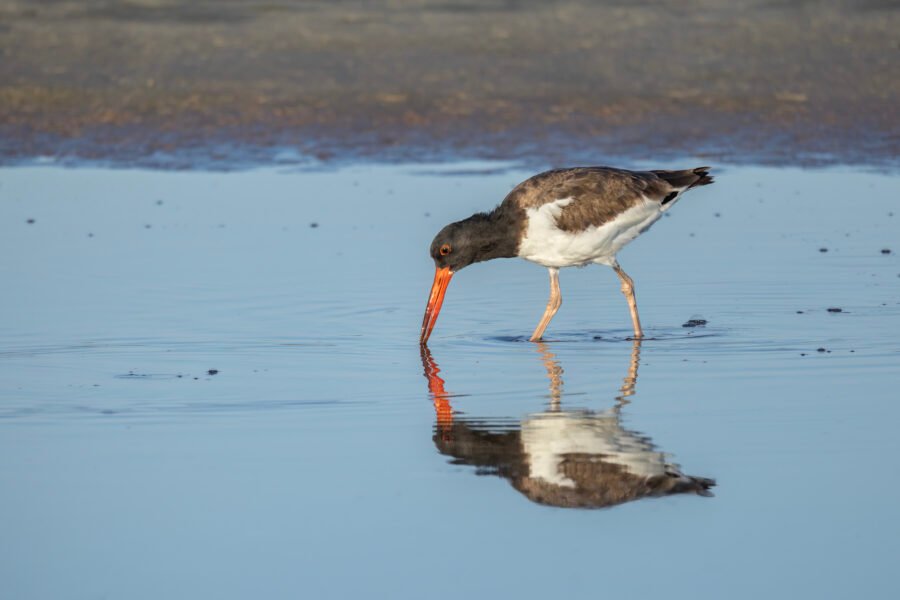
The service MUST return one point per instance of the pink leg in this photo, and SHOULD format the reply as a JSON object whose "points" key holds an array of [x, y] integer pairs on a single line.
{"points": [[553, 305], [628, 290]]}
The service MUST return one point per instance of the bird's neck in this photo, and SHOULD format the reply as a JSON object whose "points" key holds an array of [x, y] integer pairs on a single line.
{"points": [[495, 234]]}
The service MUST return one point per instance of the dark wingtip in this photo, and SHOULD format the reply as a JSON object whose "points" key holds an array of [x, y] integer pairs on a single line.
{"points": [[686, 179], [705, 177]]}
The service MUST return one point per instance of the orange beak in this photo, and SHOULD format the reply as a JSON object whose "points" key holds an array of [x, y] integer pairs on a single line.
{"points": [[438, 289]]}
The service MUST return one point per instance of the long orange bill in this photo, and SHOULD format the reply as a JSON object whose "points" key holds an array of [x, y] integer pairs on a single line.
{"points": [[438, 289]]}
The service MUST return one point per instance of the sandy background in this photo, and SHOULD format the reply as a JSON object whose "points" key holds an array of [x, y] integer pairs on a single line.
{"points": [[203, 81]]}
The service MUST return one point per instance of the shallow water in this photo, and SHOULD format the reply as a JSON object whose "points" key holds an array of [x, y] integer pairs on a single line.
{"points": [[327, 456]]}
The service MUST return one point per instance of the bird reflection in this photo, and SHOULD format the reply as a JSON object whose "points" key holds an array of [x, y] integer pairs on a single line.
{"points": [[566, 458]]}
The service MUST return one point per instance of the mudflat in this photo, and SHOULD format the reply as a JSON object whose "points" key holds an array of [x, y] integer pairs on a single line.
{"points": [[553, 82]]}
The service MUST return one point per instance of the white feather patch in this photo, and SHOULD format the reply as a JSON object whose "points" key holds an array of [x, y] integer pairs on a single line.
{"points": [[546, 244]]}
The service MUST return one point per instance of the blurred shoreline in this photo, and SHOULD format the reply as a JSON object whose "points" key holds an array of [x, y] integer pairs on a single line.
{"points": [[181, 84]]}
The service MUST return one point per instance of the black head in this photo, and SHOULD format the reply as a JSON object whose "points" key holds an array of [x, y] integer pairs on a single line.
{"points": [[480, 237], [458, 245], [453, 247]]}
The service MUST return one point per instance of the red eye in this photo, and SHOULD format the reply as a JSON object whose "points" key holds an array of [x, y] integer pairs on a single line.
{"points": [[445, 249]]}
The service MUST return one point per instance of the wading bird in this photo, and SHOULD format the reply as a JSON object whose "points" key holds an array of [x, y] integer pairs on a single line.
{"points": [[561, 218]]}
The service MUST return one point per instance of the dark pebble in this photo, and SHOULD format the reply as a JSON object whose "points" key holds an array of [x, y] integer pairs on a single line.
{"points": [[313, 225], [820, 349], [212, 371], [799, 312], [823, 249], [30, 221], [694, 323], [885, 250], [835, 310], [803, 354], [717, 215], [90, 235]]}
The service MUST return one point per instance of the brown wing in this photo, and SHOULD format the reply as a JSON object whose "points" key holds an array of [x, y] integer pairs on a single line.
{"points": [[598, 193]]}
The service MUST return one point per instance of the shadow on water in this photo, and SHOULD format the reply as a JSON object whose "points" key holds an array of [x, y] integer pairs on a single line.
{"points": [[565, 458]]}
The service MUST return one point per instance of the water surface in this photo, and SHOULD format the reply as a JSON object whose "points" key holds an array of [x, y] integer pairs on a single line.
{"points": [[210, 386]]}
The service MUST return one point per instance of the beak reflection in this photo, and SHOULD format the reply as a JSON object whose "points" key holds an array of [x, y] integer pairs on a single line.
{"points": [[565, 458]]}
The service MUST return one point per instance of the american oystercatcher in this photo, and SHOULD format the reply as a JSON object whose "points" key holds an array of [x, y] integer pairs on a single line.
{"points": [[561, 218]]}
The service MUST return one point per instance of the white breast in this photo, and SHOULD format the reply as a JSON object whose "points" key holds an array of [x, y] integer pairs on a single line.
{"points": [[546, 244]]}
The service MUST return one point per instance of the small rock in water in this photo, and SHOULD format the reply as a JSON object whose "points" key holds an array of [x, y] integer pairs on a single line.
{"points": [[820, 349], [30, 221], [694, 323], [313, 225], [835, 309], [885, 250], [212, 371], [799, 312], [823, 249]]}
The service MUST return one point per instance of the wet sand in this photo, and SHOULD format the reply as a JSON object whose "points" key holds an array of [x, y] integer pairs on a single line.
{"points": [[202, 83]]}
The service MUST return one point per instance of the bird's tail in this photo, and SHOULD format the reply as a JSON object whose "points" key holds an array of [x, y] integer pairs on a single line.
{"points": [[687, 179]]}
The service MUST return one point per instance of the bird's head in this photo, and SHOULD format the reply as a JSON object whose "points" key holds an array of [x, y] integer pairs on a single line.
{"points": [[451, 251], [482, 236], [453, 248]]}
